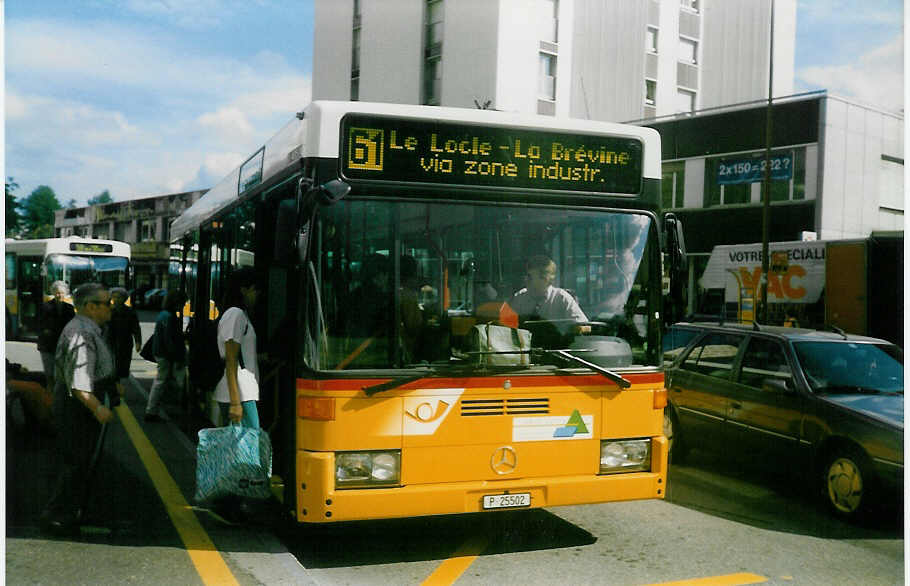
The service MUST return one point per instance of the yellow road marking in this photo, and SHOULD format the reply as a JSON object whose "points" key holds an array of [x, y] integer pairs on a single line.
{"points": [[208, 561], [449, 570], [726, 580]]}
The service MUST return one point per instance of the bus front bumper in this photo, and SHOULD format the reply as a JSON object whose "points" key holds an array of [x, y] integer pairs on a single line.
{"points": [[327, 505]]}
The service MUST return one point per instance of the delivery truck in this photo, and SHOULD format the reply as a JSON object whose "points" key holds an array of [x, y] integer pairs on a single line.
{"points": [[856, 285]]}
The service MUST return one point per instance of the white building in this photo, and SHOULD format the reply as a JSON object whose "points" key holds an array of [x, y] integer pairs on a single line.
{"points": [[597, 59]]}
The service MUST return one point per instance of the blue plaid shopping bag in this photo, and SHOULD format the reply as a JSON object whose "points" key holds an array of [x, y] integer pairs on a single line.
{"points": [[233, 461]]}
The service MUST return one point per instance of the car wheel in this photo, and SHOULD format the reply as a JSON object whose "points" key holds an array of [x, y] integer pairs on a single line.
{"points": [[846, 483], [676, 447]]}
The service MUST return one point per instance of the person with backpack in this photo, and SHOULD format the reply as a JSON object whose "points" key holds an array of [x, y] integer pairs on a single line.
{"points": [[238, 390], [170, 353]]}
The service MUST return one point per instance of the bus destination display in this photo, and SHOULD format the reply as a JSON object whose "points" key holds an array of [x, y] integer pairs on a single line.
{"points": [[90, 247], [389, 149]]}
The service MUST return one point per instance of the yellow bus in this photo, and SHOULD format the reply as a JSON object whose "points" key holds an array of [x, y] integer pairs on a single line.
{"points": [[390, 241], [33, 265]]}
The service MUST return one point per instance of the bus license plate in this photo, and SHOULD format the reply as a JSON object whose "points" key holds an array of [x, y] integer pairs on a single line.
{"points": [[506, 501]]}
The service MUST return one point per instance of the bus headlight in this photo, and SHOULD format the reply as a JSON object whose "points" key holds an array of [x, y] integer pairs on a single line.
{"points": [[625, 456], [365, 469]]}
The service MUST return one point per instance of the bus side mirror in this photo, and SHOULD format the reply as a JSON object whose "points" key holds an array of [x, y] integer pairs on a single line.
{"points": [[678, 269], [293, 228], [676, 245], [332, 191]]}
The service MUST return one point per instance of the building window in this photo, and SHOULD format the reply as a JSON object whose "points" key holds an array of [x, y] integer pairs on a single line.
{"points": [[355, 89], [432, 66], [147, 230], [685, 101], [432, 79], [672, 183], [355, 54], [688, 50], [650, 92], [651, 40], [122, 231], [547, 77], [690, 4], [549, 20], [749, 191]]}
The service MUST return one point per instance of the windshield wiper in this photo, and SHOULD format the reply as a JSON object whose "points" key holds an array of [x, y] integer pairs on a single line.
{"points": [[460, 370], [615, 377], [396, 382], [403, 380]]}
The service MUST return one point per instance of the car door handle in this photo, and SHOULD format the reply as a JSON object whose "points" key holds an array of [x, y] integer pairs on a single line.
{"points": [[736, 405]]}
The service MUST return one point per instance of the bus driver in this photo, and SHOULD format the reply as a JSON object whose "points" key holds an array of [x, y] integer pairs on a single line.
{"points": [[541, 300]]}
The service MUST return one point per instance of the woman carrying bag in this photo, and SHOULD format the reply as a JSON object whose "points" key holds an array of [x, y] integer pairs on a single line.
{"points": [[234, 462], [238, 390]]}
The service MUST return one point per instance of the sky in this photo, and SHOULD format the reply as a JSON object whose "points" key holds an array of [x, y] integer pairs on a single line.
{"points": [[150, 97]]}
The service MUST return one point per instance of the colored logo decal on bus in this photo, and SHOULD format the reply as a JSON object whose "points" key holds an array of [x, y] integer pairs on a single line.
{"points": [[575, 425], [549, 427], [424, 415]]}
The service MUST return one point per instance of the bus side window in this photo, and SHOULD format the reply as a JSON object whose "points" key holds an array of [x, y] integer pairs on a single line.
{"points": [[10, 271]]}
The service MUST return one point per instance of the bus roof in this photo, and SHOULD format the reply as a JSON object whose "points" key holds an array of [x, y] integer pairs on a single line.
{"points": [[68, 245], [314, 133]]}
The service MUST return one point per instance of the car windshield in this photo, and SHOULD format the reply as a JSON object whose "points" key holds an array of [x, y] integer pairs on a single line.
{"points": [[415, 283], [845, 367], [75, 270]]}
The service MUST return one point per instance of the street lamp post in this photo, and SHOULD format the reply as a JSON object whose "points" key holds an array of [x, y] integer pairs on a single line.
{"points": [[766, 181]]}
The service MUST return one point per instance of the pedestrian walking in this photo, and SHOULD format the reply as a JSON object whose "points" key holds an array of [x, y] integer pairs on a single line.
{"points": [[122, 333], [84, 376], [169, 347], [54, 315]]}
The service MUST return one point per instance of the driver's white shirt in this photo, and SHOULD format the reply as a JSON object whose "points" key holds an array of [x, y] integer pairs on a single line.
{"points": [[556, 304]]}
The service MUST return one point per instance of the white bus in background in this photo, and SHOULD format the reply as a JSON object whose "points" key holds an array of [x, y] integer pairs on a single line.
{"points": [[32, 265]]}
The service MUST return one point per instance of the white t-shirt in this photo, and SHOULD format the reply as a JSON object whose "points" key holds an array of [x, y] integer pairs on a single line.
{"points": [[235, 325]]}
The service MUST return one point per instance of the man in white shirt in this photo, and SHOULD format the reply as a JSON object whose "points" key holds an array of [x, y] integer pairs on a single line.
{"points": [[541, 300]]}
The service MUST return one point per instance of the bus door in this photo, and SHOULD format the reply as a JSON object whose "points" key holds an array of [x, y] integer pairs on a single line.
{"points": [[12, 297], [30, 295]]}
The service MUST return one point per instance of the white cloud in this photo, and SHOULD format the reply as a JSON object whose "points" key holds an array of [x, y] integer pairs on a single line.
{"points": [[227, 124], [875, 78], [95, 106], [220, 164], [41, 120], [90, 54]]}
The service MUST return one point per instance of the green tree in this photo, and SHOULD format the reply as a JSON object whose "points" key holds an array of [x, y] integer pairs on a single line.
{"points": [[39, 208], [13, 219], [103, 197]]}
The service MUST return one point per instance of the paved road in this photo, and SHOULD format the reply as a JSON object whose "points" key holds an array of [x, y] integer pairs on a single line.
{"points": [[133, 536], [719, 522]]}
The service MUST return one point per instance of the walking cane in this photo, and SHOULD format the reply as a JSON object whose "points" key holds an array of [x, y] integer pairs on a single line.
{"points": [[93, 464]]}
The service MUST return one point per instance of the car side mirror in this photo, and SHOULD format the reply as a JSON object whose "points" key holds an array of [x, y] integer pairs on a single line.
{"points": [[776, 385]]}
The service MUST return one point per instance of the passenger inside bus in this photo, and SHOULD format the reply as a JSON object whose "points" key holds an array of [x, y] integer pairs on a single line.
{"points": [[459, 268], [551, 313], [411, 313]]}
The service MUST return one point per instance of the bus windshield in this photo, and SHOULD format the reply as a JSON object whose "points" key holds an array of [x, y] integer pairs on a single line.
{"points": [[405, 283], [75, 270]]}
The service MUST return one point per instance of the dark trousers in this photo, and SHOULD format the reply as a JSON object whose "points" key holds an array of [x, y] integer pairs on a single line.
{"points": [[77, 435]]}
